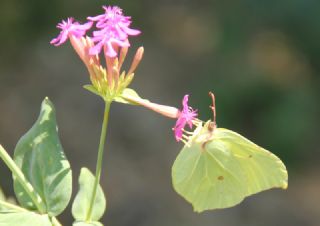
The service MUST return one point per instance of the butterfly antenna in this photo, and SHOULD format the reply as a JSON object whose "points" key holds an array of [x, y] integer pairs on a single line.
{"points": [[213, 108]]}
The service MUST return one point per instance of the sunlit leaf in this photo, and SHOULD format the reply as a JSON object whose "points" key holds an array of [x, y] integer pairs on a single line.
{"points": [[219, 168], [7, 204], [80, 206], [40, 156], [23, 219], [81, 223], [2, 199]]}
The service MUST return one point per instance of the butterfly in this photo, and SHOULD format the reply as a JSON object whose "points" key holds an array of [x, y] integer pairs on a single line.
{"points": [[217, 168]]}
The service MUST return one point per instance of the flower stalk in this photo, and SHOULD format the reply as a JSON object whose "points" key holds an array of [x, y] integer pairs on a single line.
{"points": [[100, 158], [18, 174]]}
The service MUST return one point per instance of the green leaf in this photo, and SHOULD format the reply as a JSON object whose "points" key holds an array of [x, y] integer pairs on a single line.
{"points": [[81, 223], [80, 206], [2, 199], [24, 218], [8, 205], [219, 168], [127, 92], [40, 156]]}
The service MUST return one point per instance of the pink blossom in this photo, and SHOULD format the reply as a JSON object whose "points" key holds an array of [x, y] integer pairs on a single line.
{"points": [[113, 31], [68, 28], [185, 117]]}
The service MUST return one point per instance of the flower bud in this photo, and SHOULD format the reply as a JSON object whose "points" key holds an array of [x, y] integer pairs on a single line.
{"points": [[136, 60]]}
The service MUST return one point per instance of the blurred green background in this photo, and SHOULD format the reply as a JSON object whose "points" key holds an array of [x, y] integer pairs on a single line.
{"points": [[261, 58]]}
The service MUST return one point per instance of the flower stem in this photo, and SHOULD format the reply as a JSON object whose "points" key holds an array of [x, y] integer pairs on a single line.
{"points": [[18, 174], [100, 158]]}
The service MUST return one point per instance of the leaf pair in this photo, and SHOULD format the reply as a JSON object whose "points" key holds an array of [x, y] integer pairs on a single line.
{"points": [[43, 180]]}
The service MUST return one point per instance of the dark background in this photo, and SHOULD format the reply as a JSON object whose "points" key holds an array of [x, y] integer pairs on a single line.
{"points": [[259, 57]]}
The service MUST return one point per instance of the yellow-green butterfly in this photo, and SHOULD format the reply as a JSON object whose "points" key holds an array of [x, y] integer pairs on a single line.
{"points": [[218, 168]]}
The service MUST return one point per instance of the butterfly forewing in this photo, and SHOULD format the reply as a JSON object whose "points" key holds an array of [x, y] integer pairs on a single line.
{"points": [[263, 169]]}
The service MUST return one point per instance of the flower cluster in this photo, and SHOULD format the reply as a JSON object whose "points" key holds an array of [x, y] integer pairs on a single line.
{"points": [[112, 30]]}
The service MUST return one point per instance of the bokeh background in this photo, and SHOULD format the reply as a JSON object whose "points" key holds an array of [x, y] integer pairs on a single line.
{"points": [[261, 58]]}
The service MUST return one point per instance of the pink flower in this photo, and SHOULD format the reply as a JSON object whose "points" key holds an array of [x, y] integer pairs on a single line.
{"points": [[68, 28], [185, 117], [113, 31]]}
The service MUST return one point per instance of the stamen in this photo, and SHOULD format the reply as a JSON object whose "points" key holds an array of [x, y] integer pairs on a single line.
{"points": [[197, 122], [185, 136], [183, 141], [186, 142], [187, 132]]}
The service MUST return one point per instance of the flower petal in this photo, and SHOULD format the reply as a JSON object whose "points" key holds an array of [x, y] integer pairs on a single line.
{"points": [[185, 117]]}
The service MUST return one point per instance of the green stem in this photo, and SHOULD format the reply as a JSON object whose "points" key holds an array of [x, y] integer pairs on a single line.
{"points": [[18, 174], [100, 158], [12, 206]]}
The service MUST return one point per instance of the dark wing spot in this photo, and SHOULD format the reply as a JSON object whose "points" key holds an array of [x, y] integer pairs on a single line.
{"points": [[250, 156], [220, 178]]}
